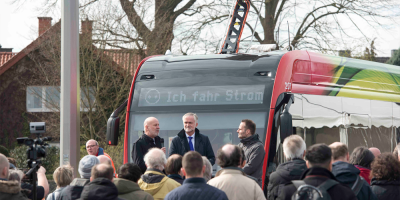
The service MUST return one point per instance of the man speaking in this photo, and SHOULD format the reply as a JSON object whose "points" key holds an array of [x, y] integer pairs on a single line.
{"points": [[148, 140], [190, 139]]}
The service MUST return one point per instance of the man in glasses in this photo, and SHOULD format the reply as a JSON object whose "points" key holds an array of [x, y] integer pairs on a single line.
{"points": [[92, 147]]}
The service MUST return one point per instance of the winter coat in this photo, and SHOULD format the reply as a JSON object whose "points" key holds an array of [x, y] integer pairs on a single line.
{"points": [[141, 147], [364, 172], [178, 178], [386, 190], [284, 174], [180, 145], [130, 190], [347, 174], [100, 188], [74, 190], [315, 176], [11, 190], [196, 189], [157, 184], [254, 152], [236, 185]]}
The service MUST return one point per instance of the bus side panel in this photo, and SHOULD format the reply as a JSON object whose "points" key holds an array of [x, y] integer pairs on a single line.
{"points": [[126, 136], [283, 83]]}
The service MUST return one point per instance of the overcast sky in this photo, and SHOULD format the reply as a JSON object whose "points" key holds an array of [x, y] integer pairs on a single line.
{"points": [[19, 27]]}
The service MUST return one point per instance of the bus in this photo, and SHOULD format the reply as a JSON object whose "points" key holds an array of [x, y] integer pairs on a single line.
{"points": [[322, 98]]}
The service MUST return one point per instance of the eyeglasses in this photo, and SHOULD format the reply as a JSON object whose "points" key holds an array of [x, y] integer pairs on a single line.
{"points": [[90, 146]]}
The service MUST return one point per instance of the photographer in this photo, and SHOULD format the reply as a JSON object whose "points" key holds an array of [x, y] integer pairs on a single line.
{"points": [[9, 190], [42, 188]]}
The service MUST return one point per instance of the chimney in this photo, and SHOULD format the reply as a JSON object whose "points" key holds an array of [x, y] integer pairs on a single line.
{"points": [[86, 29], [44, 24], [5, 49]]}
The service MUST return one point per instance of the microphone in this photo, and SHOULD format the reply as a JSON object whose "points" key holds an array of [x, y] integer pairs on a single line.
{"points": [[162, 142]]}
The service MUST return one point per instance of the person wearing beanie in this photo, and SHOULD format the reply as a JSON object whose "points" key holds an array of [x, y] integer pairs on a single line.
{"points": [[74, 190]]}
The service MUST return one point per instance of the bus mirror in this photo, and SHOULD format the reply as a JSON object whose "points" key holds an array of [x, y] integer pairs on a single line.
{"points": [[112, 130], [286, 127]]}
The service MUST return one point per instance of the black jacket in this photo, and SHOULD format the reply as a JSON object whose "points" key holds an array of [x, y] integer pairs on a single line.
{"points": [[254, 153], [347, 174], [315, 176], [141, 147], [176, 177], [196, 189], [100, 188], [386, 190], [74, 190], [284, 174], [180, 145]]}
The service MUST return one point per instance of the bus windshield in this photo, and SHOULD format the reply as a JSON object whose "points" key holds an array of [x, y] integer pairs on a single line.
{"points": [[220, 127]]}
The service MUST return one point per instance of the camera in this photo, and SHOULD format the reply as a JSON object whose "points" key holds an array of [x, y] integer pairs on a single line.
{"points": [[37, 147]]}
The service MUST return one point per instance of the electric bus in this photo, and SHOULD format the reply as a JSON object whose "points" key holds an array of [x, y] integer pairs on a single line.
{"points": [[322, 98]]}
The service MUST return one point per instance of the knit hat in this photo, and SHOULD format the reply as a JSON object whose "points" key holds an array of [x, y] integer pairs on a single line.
{"points": [[86, 164]]}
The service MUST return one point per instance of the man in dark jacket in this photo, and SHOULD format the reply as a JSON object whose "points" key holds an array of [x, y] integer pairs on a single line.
{"points": [[195, 187], [74, 190], [346, 173], [148, 140], [101, 185], [294, 149], [190, 139], [128, 176], [319, 163], [253, 149], [173, 168]]}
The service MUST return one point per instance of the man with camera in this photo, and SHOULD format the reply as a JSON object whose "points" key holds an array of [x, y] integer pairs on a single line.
{"points": [[9, 190]]}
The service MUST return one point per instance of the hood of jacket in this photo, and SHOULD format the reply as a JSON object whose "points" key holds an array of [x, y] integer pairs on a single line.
{"points": [[318, 171], [9, 187], [291, 169], [152, 181], [250, 140], [345, 172], [100, 188], [125, 186]]}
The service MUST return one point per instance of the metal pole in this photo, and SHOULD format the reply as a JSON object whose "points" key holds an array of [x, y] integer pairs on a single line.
{"points": [[70, 85]]}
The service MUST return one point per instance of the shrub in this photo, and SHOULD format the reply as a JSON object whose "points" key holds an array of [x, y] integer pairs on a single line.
{"points": [[4, 151], [50, 163]]}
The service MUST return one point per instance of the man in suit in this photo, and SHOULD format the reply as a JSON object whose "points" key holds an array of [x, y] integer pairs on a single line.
{"points": [[190, 139], [148, 140]]}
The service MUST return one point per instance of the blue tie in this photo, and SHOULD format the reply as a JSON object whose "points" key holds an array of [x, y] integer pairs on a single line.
{"points": [[191, 144]]}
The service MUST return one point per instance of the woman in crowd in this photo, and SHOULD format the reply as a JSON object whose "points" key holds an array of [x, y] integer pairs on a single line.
{"points": [[385, 174], [362, 159], [63, 176]]}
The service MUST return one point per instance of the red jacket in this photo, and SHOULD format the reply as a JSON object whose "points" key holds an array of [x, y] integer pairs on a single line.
{"points": [[364, 172]]}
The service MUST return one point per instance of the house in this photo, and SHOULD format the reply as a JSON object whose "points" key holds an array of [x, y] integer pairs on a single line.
{"points": [[30, 80]]}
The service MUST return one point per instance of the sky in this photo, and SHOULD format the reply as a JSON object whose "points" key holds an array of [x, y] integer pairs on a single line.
{"points": [[19, 27]]}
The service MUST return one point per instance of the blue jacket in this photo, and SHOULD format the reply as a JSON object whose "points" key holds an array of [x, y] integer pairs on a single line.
{"points": [[347, 174], [180, 145], [196, 189]]}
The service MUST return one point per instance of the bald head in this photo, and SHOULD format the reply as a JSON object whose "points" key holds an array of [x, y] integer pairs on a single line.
{"points": [[229, 156], [375, 151], [102, 171], [151, 127], [4, 165], [104, 159], [340, 152]]}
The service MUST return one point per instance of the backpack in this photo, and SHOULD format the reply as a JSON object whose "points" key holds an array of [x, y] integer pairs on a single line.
{"points": [[357, 185], [309, 192]]}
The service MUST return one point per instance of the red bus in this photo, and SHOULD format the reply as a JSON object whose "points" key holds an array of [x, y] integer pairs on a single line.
{"points": [[319, 97]]}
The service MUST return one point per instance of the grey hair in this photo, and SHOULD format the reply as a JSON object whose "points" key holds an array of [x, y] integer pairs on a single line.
{"points": [[155, 158], [92, 140], [294, 147], [191, 114], [208, 172]]}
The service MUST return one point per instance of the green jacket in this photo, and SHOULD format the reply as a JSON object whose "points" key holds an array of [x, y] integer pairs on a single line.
{"points": [[130, 190]]}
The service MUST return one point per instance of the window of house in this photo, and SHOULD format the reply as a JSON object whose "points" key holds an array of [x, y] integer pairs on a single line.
{"points": [[47, 99]]}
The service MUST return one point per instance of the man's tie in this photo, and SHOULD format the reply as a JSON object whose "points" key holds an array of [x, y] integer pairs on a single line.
{"points": [[191, 144]]}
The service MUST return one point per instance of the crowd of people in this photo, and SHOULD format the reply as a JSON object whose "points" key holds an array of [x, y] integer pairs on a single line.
{"points": [[325, 171]]}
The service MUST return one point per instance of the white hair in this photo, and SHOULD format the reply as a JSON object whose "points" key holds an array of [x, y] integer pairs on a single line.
{"points": [[191, 114], [294, 147], [155, 158], [92, 140], [208, 172]]}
